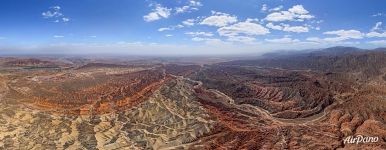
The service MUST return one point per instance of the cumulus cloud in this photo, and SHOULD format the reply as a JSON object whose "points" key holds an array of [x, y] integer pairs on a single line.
{"points": [[157, 13], [189, 22], [288, 28], [195, 3], [65, 19], [298, 9], [296, 29], [285, 40], [182, 9], [161, 12], [376, 34], [377, 31], [346, 34], [264, 8], [54, 13], [207, 40], [296, 13], [199, 33], [377, 26], [252, 20], [278, 8], [170, 28], [243, 28], [241, 39], [280, 16], [378, 42], [192, 5], [275, 27], [219, 19], [340, 35]]}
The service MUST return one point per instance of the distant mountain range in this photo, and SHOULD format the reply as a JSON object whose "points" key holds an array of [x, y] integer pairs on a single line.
{"points": [[333, 59]]}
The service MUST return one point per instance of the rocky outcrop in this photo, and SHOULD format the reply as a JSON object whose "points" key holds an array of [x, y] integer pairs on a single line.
{"points": [[285, 94]]}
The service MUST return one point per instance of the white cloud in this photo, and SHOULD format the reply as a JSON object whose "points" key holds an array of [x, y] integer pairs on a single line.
{"points": [[304, 17], [377, 26], [278, 8], [164, 29], [182, 9], [378, 42], [198, 39], [55, 7], [328, 41], [378, 15], [65, 19], [179, 26], [376, 34], [333, 39], [168, 35], [275, 27], [58, 36], [296, 13], [207, 40], [195, 3], [243, 28], [288, 28], [189, 22], [192, 5], [264, 8], [296, 29], [199, 33], [157, 13], [312, 27], [219, 19], [340, 35], [317, 21], [377, 31], [241, 39], [314, 39], [170, 28], [151, 17], [280, 16], [346, 34], [55, 13], [252, 20], [298, 9], [285, 40]]}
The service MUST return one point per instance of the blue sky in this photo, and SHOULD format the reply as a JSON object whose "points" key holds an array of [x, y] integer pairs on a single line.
{"points": [[188, 26]]}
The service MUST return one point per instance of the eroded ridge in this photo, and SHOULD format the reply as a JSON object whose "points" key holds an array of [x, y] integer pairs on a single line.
{"points": [[285, 94], [87, 92]]}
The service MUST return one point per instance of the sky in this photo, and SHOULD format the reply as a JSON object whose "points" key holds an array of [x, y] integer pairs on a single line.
{"points": [[188, 27]]}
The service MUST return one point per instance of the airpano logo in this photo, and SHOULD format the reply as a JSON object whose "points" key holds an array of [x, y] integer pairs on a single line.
{"points": [[360, 139]]}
